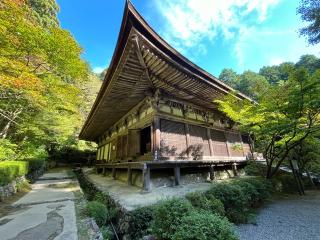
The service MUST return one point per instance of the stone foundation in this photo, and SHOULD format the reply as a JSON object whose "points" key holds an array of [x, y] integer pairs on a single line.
{"points": [[11, 188], [165, 177]]}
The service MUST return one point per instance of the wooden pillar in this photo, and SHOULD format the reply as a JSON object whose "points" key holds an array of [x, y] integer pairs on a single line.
{"points": [[176, 175], [114, 173], [187, 139], [210, 141], [156, 138], [227, 143], [146, 178], [104, 171], [129, 175], [212, 173], [234, 169], [240, 137]]}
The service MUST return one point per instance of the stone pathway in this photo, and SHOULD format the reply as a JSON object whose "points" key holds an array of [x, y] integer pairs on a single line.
{"points": [[289, 218], [46, 212]]}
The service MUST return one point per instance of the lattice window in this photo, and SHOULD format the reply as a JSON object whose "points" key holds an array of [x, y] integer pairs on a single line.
{"points": [[173, 139], [199, 143], [219, 143], [235, 146], [246, 144]]}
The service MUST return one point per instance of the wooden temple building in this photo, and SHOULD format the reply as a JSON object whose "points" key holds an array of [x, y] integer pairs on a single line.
{"points": [[155, 112]]}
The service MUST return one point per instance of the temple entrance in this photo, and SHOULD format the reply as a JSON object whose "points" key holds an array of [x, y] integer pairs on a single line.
{"points": [[145, 140]]}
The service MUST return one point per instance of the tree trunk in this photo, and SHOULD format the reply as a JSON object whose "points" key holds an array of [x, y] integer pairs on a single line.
{"points": [[5, 130]]}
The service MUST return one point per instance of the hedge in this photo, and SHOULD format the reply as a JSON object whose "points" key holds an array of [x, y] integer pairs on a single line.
{"points": [[9, 170]]}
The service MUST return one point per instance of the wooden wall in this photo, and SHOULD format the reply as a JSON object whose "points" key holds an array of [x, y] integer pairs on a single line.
{"points": [[188, 141]]}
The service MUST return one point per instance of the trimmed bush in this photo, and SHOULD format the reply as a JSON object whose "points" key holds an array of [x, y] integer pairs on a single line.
{"points": [[9, 170], [204, 226], [35, 164], [168, 215], [255, 169], [233, 199], [201, 202], [140, 223], [262, 186], [98, 211]]}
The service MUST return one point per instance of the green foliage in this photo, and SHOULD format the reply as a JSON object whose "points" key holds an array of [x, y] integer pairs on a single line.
{"points": [[98, 211], [45, 12], [168, 216], [35, 164], [255, 190], [7, 150], [310, 12], [233, 199], [9, 170], [286, 115], [106, 232], [200, 202], [140, 222], [46, 86], [230, 77], [204, 226], [255, 169]]}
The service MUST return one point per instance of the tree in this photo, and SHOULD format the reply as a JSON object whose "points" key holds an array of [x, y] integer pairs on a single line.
{"points": [[310, 12], [252, 84], [41, 79], [285, 117], [275, 74], [309, 62], [230, 77], [45, 12]]}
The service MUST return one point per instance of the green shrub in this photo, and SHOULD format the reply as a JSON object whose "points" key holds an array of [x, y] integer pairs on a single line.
{"points": [[168, 215], [262, 186], [255, 169], [9, 170], [7, 150], [35, 164], [233, 199], [200, 201], [106, 233], [98, 211], [140, 223], [284, 182], [249, 191], [204, 226]]}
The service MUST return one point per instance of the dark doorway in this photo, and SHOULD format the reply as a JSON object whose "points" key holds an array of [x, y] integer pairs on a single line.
{"points": [[145, 140]]}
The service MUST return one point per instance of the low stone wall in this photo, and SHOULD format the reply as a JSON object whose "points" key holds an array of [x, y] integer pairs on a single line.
{"points": [[123, 218], [165, 177], [11, 188]]}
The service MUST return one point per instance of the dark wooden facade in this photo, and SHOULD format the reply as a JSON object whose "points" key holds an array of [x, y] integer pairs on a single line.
{"points": [[157, 106]]}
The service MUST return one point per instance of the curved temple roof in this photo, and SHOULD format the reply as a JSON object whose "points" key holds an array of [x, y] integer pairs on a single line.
{"points": [[142, 62]]}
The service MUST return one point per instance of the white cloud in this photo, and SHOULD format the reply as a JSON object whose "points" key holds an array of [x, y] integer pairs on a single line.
{"points": [[189, 21], [272, 47], [98, 70], [276, 60]]}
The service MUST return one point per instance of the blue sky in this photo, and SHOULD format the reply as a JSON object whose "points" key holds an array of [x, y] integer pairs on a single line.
{"points": [[214, 34]]}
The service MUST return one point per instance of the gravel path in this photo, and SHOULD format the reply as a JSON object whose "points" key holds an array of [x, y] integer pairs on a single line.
{"points": [[288, 218]]}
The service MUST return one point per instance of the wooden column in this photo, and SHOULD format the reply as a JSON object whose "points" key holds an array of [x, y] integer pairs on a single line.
{"points": [[104, 171], [129, 176], [210, 142], [243, 153], [146, 178], [187, 139], [114, 173], [234, 169], [227, 143], [176, 175], [156, 138], [212, 173]]}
